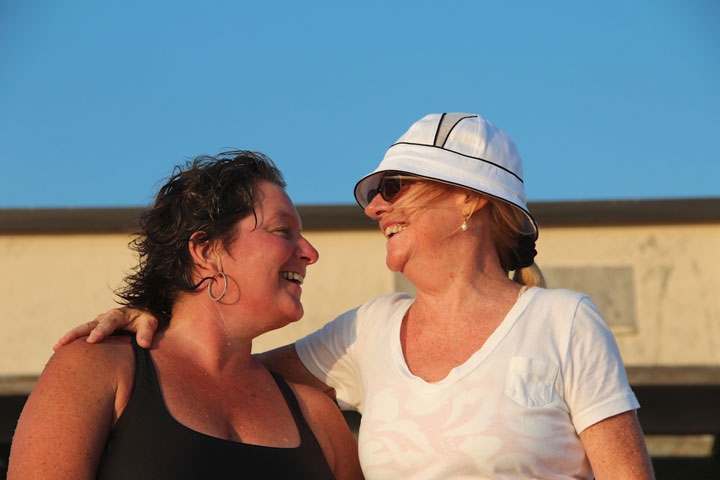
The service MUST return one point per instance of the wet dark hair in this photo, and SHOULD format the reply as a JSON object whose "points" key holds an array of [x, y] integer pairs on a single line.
{"points": [[208, 195]]}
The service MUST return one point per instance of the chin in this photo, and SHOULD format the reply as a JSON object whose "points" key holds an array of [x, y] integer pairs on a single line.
{"points": [[295, 315], [287, 320], [394, 264], [284, 315]]}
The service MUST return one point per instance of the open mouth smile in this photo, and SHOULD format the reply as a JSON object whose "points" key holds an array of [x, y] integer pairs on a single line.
{"points": [[394, 229], [294, 277]]}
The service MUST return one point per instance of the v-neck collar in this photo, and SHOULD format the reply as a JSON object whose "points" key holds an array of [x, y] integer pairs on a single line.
{"points": [[475, 359]]}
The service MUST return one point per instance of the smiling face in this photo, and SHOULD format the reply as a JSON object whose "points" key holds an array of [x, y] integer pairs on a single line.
{"points": [[266, 262], [419, 224]]}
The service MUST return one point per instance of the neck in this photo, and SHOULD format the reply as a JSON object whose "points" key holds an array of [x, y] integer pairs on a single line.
{"points": [[465, 259], [461, 294], [201, 331], [462, 281]]}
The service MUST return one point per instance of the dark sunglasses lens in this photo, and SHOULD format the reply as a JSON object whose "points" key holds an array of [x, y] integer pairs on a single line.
{"points": [[389, 187], [371, 194]]}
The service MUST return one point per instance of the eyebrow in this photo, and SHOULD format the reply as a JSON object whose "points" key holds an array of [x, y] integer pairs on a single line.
{"points": [[287, 216]]}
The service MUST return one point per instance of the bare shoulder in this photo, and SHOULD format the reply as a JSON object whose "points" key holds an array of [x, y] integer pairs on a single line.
{"points": [[110, 349], [331, 431], [65, 422], [106, 365]]}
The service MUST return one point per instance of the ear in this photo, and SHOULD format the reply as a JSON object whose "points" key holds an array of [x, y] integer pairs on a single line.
{"points": [[205, 254], [474, 202]]}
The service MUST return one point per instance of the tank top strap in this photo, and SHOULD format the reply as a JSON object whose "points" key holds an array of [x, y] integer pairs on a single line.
{"points": [[294, 406], [146, 380]]}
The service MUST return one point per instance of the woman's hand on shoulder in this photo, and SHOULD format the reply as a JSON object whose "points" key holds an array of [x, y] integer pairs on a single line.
{"points": [[331, 431], [64, 425], [105, 324]]}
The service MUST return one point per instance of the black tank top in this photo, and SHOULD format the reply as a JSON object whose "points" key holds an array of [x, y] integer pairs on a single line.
{"points": [[148, 443]]}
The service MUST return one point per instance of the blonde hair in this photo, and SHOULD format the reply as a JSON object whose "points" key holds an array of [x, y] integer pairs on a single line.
{"points": [[507, 223], [427, 190], [424, 195]]}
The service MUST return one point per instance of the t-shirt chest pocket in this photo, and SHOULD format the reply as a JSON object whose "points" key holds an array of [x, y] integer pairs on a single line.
{"points": [[530, 381]]}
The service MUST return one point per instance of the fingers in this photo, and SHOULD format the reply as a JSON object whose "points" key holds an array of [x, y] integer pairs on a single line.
{"points": [[75, 333], [106, 324], [146, 325]]}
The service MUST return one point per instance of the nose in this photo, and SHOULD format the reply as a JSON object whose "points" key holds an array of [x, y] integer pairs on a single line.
{"points": [[377, 206], [307, 252]]}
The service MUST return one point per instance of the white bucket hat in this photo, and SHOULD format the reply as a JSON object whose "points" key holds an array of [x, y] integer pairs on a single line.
{"points": [[460, 149]]}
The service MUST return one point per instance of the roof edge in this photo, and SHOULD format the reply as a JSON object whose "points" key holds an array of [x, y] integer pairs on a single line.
{"points": [[351, 217]]}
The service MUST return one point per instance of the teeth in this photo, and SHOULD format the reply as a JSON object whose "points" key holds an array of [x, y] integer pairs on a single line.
{"points": [[293, 277], [393, 229]]}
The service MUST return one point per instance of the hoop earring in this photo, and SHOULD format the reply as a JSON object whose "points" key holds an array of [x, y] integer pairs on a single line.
{"points": [[210, 284]]}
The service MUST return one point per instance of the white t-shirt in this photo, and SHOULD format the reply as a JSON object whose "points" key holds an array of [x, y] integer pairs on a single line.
{"points": [[513, 410]]}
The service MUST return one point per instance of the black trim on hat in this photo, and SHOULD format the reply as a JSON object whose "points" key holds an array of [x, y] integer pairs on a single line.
{"points": [[446, 125], [437, 129], [462, 154]]}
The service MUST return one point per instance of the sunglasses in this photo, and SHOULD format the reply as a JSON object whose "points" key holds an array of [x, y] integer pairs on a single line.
{"points": [[390, 186]]}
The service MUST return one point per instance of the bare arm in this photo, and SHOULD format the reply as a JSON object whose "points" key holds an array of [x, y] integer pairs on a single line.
{"points": [[331, 431], [107, 323], [286, 362], [64, 426], [616, 448]]}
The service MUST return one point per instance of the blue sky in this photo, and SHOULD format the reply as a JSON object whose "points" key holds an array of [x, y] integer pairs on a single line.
{"points": [[605, 100]]}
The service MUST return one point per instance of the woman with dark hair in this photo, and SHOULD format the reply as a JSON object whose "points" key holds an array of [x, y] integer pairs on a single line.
{"points": [[221, 261], [481, 375]]}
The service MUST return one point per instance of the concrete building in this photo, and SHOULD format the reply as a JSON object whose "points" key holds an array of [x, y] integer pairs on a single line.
{"points": [[652, 267]]}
